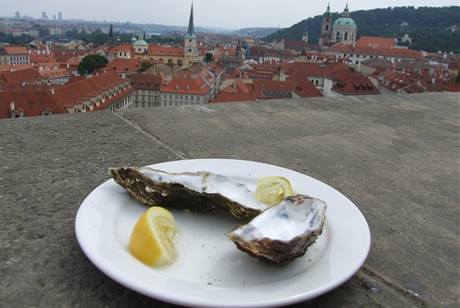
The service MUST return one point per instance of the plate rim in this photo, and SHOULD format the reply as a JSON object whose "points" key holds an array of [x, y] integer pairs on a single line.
{"points": [[170, 297]]}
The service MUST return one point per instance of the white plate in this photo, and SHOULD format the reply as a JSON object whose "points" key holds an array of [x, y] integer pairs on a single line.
{"points": [[210, 270]]}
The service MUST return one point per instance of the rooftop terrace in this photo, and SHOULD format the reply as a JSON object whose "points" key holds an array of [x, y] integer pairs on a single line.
{"points": [[396, 157]]}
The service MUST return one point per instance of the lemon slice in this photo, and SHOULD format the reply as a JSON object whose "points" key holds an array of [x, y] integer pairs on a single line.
{"points": [[271, 190], [152, 237]]}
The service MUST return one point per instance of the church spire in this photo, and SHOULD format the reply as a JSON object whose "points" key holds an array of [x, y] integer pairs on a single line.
{"points": [[346, 12], [328, 10], [191, 28]]}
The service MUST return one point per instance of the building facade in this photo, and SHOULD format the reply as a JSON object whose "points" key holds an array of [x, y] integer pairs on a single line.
{"points": [[147, 89], [14, 55]]}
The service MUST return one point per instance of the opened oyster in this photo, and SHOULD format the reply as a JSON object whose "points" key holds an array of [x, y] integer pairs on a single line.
{"points": [[282, 232], [276, 233], [196, 191]]}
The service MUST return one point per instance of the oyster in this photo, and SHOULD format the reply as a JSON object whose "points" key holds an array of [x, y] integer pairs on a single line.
{"points": [[282, 232], [196, 191]]}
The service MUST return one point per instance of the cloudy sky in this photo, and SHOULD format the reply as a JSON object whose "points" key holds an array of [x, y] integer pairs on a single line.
{"points": [[209, 13]]}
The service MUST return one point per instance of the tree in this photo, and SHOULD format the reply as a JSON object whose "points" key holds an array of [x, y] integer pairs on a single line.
{"points": [[90, 63], [145, 65], [208, 57]]}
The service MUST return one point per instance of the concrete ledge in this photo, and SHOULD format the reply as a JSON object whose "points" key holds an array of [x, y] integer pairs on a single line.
{"points": [[397, 157]]}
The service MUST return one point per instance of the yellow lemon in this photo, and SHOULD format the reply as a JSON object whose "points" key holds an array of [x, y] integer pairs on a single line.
{"points": [[271, 190], [152, 238]]}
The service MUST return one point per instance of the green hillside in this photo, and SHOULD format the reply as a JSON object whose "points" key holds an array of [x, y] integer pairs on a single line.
{"points": [[428, 26]]}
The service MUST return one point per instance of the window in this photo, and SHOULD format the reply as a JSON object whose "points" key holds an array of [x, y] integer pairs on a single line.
{"points": [[326, 28], [346, 36]]}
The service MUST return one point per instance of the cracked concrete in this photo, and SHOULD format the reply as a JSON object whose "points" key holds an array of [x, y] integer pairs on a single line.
{"points": [[397, 157]]}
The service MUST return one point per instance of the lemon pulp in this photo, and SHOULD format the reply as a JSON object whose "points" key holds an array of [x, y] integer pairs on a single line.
{"points": [[152, 237], [271, 190]]}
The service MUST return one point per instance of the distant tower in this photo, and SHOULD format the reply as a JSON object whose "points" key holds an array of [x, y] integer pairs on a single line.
{"points": [[326, 29], [44, 16], [110, 38], [17, 15], [191, 54], [60, 16], [305, 37]]}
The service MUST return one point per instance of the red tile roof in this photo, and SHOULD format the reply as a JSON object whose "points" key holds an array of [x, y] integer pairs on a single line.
{"points": [[375, 42], [339, 72], [36, 58], [11, 68], [186, 86], [76, 92], [165, 51], [305, 88], [355, 85], [63, 55], [266, 89], [15, 50], [272, 89], [146, 81], [124, 66], [121, 48], [32, 103], [236, 92], [382, 51], [17, 77]]}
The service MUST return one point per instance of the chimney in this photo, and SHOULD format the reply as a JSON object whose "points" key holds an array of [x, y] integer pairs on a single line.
{"points": [[12, 107]]}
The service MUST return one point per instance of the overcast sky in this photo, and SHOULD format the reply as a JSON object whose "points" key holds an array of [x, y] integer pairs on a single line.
{"points": [[210, 13]]}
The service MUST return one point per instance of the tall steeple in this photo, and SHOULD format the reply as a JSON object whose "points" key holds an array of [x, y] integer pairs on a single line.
{"points": [[326, 28], [191, 53], [191, 28]]}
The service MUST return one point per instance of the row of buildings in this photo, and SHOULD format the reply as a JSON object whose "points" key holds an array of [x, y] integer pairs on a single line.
{"points": [[44, 79]]}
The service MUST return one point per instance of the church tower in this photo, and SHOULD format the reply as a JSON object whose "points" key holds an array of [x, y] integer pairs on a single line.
{"points": [[344, 29], [191, 54], [326, 29], [305, 37]]}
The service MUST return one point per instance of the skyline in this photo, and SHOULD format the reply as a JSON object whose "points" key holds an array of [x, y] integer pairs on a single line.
{"points": [[256, 13]]}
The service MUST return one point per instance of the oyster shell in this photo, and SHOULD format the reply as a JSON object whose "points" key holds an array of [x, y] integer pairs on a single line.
{"points": [[282, 232], [195, 191]]}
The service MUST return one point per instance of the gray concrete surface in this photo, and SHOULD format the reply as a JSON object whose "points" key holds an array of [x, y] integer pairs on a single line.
{"points": [[396, 157]]}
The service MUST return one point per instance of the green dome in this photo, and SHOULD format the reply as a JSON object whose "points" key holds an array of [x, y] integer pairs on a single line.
{"points": [[141, 43], [345, 21]]}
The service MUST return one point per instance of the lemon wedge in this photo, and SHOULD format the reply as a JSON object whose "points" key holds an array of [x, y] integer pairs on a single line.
{"points": [[152, 237], [271, 190]]}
